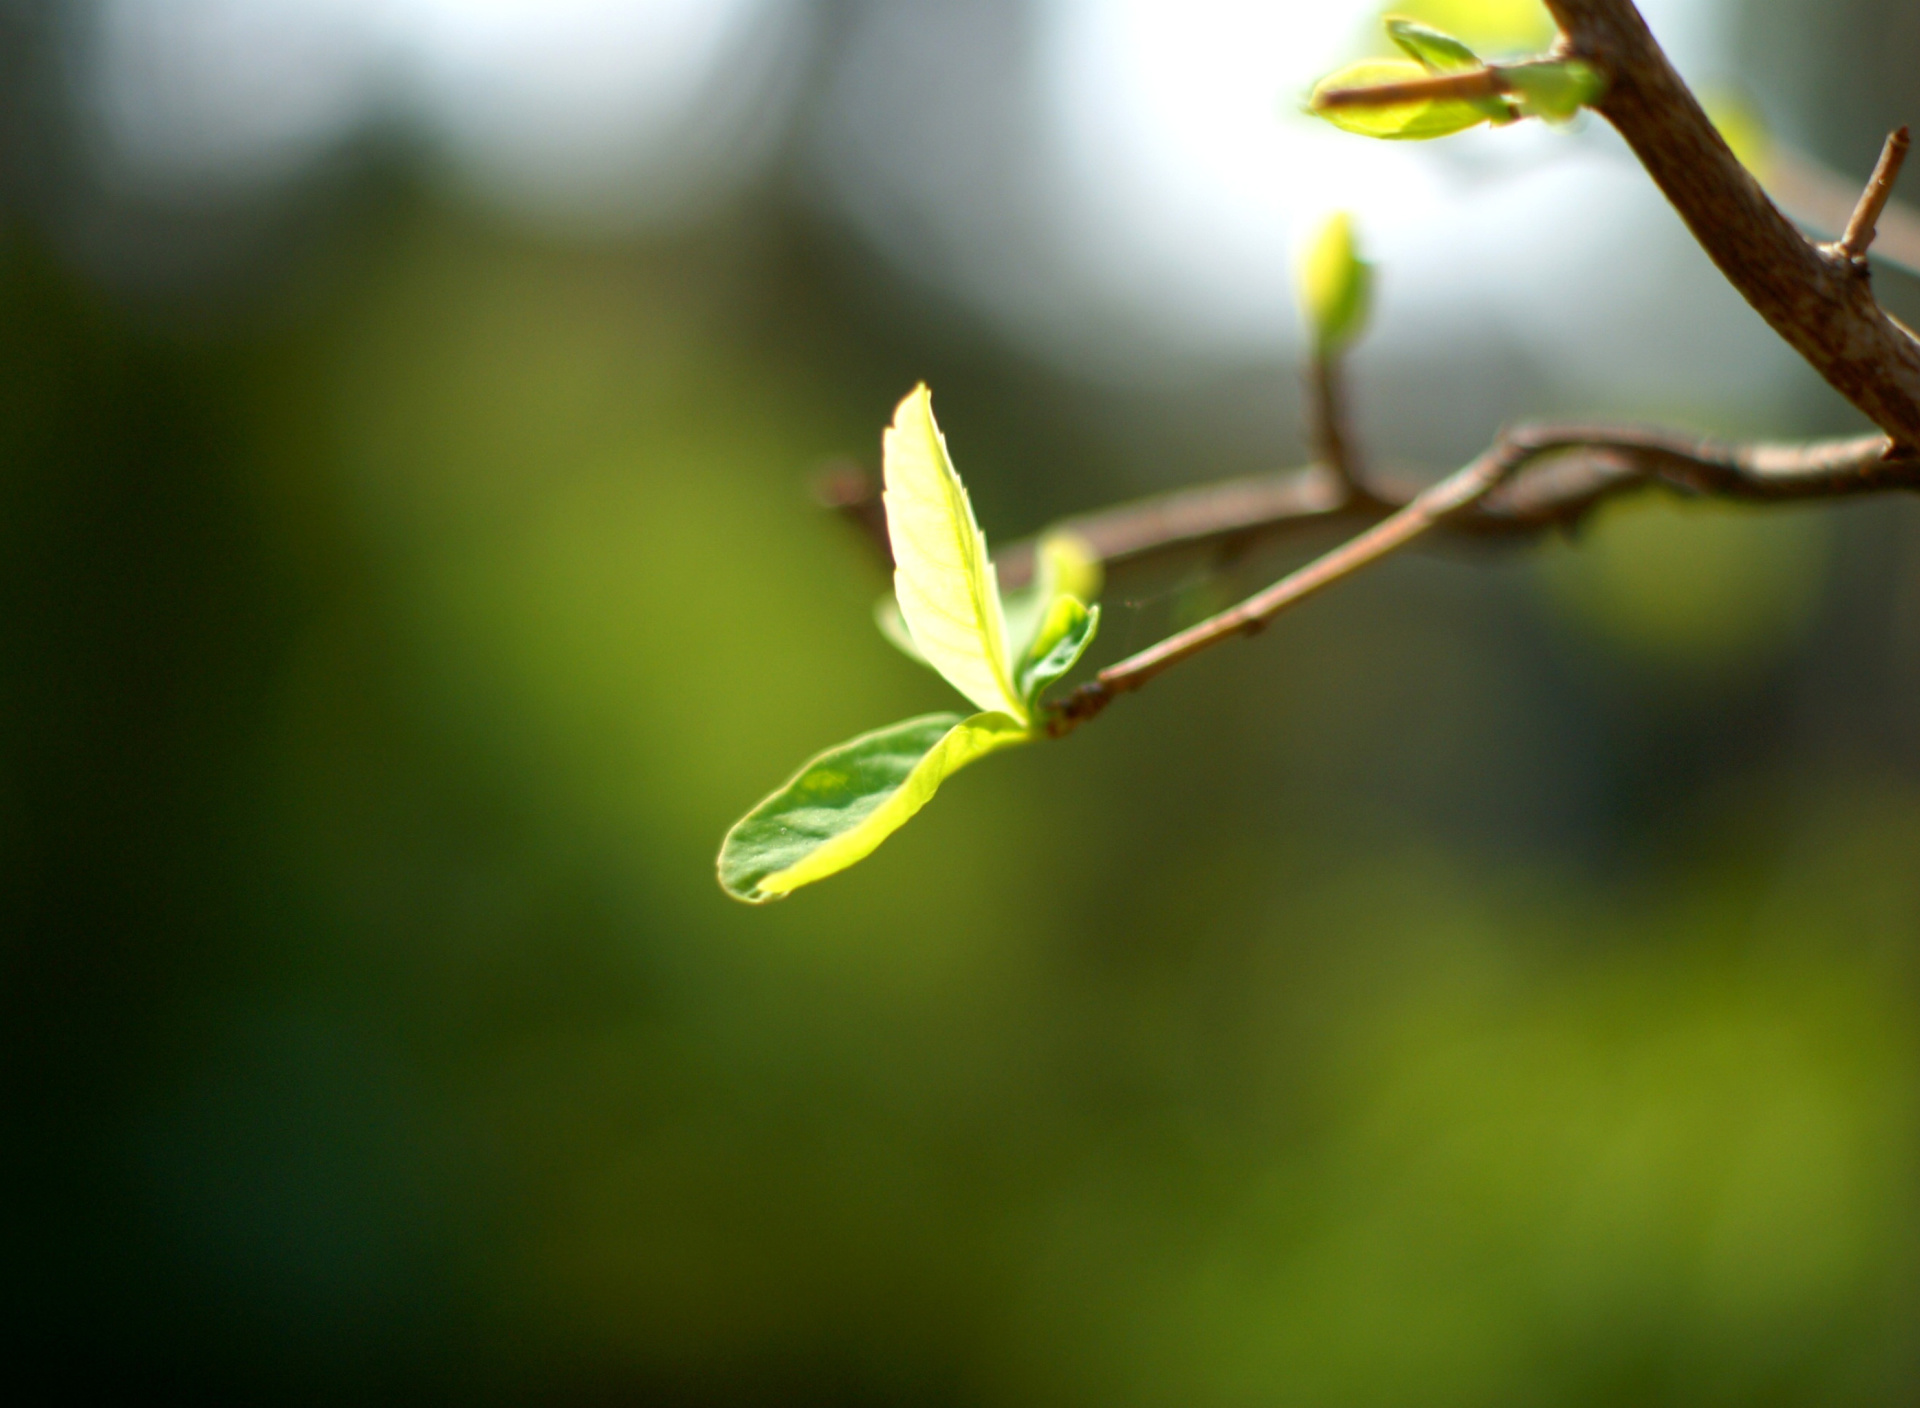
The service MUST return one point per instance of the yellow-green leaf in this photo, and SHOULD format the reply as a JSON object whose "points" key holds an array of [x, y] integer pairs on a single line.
{"points": [[1433, 49], [1416, 121], [1439, 52], [1490, 26], [942, 578], [839, 807], [1062, 639], [1063, 564], [1335, 284]]}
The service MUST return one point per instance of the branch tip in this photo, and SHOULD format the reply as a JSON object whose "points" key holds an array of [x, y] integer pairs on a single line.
{"points": [[1873, 200]]}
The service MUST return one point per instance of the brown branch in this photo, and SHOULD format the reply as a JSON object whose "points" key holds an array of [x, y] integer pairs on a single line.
{"points": [[1821, 199], [1448, 496], [1873, 200], [1328, 425], [1578, 467], [1573, 469], [1819, 301], [1466, 87]]}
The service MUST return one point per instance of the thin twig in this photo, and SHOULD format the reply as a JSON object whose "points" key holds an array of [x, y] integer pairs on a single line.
{"points": [[1448, 496], [1816, 196], [1463, 87], [1873, 200], [1329, 427], [1583, 465], [1589, 465]]}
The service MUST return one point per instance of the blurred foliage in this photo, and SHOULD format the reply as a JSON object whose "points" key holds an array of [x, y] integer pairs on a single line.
{"points": [[1438, 999], [1702, 588]]}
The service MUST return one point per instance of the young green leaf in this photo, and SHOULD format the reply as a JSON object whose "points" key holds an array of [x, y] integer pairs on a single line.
{"points": [[942, 577], [1438, 52], [1430, 48], [1335, 284], [1063, 564], [1489, 26], [1555, 89], [844, 803], [1062, 639], [1417, 121]]}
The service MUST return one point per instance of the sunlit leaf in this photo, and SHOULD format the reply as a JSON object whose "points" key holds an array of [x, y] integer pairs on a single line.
{"points": [[844, 803], [1501, 27], [1555, 90], [1438, 52], [1335, 284], [942, 578], [1062, 639], [1416, 121], [1433, 50], [1063, 563]]}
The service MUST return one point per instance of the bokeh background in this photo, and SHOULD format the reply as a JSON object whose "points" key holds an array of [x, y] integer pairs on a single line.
{"points": [[1494, 985]]}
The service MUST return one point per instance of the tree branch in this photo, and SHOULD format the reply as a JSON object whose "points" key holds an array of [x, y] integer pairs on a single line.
{"points": [[1820, 301], [1873, 200], [1578, 467], [1250, 616], [1815, 196], [1434, 87], [1571, 469]]}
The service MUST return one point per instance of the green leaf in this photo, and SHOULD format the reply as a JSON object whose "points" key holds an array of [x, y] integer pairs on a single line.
{"points": [[1489, 26], [1416, 121], [1438, 52], [1063, 564], [844, 803], [1430, 48], [1062, 639], [1555, 89], [1335, 284], [942, 577]]}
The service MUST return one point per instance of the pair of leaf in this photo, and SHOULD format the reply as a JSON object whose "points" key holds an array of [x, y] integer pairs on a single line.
{"points": [[1001, 654], [1553, 89]]}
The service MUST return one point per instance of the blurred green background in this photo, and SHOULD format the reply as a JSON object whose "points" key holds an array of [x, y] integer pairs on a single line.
{"points": [[1494, 985]]}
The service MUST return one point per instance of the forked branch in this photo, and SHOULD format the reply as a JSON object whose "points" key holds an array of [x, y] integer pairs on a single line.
{"points": [[1813, 296], [1577, 467], [1873, 201], [1818, 297]]}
